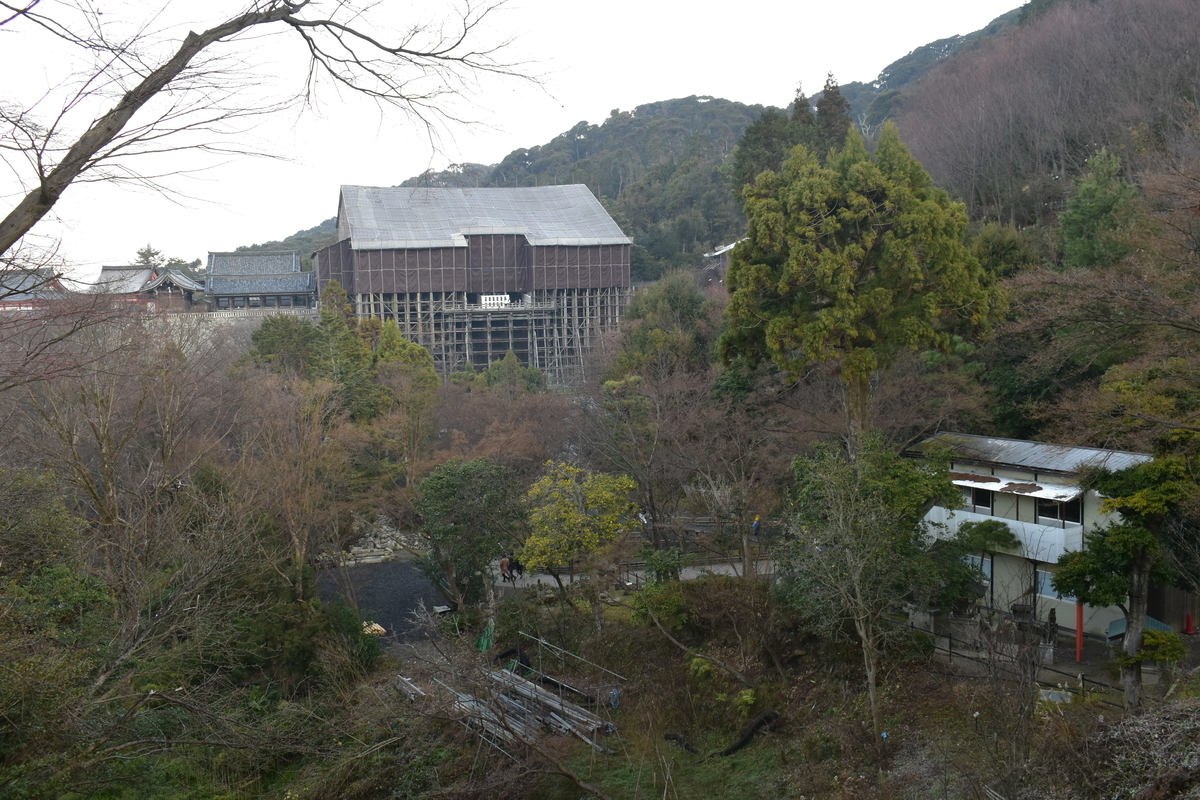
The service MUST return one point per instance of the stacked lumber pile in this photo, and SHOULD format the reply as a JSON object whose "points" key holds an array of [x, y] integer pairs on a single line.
{"points": [[518, 710]]}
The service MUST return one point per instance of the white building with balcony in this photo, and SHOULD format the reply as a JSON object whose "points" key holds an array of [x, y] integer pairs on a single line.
{"points": [[1033, 488]]}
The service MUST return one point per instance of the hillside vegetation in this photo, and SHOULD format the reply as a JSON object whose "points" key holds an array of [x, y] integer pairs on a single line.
{"points": [[720, 526], [664, 170]]}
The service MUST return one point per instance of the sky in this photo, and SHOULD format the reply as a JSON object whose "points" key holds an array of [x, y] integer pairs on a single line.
{"points": [[588, 59]]}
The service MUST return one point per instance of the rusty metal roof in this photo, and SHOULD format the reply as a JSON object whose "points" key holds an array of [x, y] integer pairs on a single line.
{"points": [[1049, 491], [386, 218], [1033, 456]]}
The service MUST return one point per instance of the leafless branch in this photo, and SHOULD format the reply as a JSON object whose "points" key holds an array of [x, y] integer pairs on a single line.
{"points": [[189, 92]]}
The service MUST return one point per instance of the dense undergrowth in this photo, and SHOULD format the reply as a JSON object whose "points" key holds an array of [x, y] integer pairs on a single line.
{"points": [[952, 732]]}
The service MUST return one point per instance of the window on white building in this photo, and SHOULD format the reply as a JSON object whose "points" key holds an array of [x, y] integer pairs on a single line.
{"points": [[981, 563], [978, 501], [1045, 587], [1069, 512]]}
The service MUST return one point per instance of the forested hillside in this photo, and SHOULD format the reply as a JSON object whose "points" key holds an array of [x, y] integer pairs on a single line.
{"points": [[727, 586], [306, 241], [663, 169], [876, 101], [660, 169], [1007, 125]]}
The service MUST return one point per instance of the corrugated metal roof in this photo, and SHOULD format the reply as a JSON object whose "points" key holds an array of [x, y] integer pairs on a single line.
{"points": [[720, 251], [1034, 456], [379, 218], [1047, 491], [265, 263]]}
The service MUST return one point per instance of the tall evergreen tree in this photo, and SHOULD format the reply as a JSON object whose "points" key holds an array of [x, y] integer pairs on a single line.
{"points": [[406, 369], [149, 257], [850, 263], [349, 358], [833, 114], [763, 146], [1102, 207]]}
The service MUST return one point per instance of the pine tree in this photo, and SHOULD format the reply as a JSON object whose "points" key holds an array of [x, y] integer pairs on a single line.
{"points": [[149, 257], [1102, 207]]}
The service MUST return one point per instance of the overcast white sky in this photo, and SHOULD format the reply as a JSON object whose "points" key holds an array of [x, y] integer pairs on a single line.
{"points": [[593, 57]]}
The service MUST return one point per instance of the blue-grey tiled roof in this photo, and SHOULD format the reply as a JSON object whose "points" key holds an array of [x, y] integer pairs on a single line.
{"points": [[291, 283], [133, 279], [266, 263], [20, 286]]}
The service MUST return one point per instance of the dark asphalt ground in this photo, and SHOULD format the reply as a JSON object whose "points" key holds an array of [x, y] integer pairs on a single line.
{"points": [[386, 592]]}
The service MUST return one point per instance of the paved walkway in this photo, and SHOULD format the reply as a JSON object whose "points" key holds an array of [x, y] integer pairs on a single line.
{"points": [[633, 577]]}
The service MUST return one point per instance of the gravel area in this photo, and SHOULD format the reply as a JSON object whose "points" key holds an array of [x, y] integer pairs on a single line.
{"points": [[387, 592]]}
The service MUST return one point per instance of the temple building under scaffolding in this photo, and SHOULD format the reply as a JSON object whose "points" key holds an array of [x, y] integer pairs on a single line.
{"points": [[473, 273]]}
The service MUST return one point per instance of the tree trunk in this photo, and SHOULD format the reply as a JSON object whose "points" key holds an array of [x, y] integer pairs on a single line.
{"points": [[597, 606], [871, 666], [858, 410], [1135, 626], [451, 578], [489, 590], [562, 590], [747, 560]]}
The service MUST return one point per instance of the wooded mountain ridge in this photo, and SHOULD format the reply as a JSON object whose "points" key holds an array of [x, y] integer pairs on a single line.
{"points": [[663, 169], [1003, 118]]}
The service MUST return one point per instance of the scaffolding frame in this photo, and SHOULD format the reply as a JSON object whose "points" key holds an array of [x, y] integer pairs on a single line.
{"points": [[551, 329]]}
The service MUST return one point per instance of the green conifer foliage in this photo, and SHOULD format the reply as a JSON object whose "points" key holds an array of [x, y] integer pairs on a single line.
{"points": [[849, 264], [1103, 206], [833, 114]]}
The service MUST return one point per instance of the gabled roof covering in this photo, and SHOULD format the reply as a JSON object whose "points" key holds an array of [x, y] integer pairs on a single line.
{"points": [[23, 286], [133, 279], [121, 280], [1033, 456], [265, 263], [288, 283], [173, 276], [378, 218]]}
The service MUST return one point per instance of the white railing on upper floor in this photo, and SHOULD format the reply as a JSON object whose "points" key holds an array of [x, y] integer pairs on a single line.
{"points": [[1038, 542]]}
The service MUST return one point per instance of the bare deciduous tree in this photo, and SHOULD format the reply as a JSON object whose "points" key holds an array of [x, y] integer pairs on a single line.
{"points": [[159, 100]]}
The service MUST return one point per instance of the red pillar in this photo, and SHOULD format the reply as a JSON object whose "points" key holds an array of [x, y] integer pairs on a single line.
{"points": [[1079, 633]]}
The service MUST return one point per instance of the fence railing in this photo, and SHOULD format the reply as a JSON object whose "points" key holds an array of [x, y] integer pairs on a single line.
{"points": [[999, 660]]}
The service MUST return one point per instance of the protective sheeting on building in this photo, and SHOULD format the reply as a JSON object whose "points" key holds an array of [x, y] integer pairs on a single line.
{"points": [[398, 218], [428, 258]]}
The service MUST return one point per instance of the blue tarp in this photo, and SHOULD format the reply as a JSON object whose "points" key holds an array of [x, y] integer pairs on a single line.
{"points": [[1116, 628]]}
